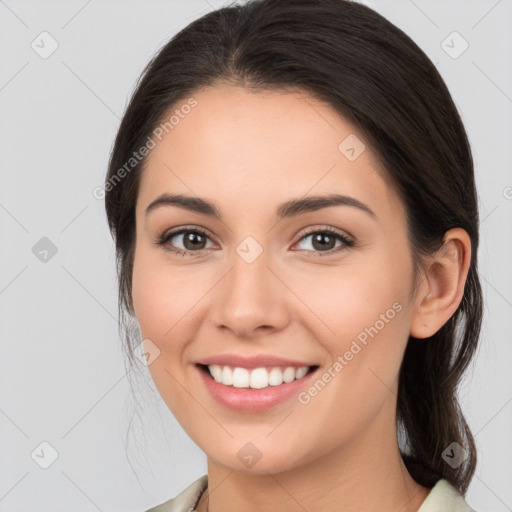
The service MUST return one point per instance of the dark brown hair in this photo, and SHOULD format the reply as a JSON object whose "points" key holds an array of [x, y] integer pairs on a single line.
{"points": [[378, 79]]}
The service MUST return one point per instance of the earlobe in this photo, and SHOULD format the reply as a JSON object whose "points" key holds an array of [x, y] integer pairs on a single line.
{"points": [[442, 289]]}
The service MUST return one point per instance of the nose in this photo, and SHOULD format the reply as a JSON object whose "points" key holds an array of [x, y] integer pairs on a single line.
{"points": [[251, 299]]}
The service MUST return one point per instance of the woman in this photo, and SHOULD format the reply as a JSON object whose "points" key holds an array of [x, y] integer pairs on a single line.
{"points": [[292, 198]]}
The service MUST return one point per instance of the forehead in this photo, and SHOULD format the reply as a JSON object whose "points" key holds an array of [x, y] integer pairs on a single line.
{"points": [[243, 148]]}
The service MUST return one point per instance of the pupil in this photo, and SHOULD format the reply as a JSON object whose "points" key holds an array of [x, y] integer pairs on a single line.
{"points": [[193, 238], [318, 239]]}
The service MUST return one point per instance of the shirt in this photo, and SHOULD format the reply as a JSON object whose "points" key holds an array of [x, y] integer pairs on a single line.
{"points": [[443, 497]]}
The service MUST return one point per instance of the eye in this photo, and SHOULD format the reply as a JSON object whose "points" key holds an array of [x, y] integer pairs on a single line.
{"points": [[193, 241], [324, 241]]}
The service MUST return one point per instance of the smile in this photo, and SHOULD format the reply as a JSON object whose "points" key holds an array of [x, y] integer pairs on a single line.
{"points": [[257, 378], [231, 386]]}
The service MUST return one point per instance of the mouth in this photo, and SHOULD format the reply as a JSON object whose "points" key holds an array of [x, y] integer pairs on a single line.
{"points": [[254, 390], [258, 378]]}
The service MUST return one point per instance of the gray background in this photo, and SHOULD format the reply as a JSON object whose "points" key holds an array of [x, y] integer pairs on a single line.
{"points": [[63, 380]]}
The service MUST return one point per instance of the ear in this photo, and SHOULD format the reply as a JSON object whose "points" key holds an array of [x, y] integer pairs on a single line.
{"points": [[441, 290]]}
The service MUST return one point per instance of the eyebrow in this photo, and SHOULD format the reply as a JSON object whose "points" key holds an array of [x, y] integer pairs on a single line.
{"points": [[287, 209]]}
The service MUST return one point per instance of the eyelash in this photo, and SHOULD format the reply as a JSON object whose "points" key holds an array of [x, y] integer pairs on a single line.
{"points": [[164, 238]]}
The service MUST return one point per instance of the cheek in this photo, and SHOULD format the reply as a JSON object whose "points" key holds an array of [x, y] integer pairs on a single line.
{"points": [[163, 306], [349, 298], [363, 331], [161, 297], [361, 313], [168, 302]]}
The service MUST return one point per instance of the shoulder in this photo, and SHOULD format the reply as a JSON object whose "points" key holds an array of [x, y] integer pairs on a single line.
{"points": [[444, 497], [186, 500]]}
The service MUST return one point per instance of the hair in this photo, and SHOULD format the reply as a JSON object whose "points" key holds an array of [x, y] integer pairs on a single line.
{"points": [[376, 77]]}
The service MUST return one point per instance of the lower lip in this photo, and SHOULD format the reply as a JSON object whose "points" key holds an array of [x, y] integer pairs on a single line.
{"points": [[253, 400]]}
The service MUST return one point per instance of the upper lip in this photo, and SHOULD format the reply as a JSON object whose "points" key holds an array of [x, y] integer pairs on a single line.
{"points": [[234, 360]]}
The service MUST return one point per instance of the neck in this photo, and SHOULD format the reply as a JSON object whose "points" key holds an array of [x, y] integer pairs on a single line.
{"points": [[366, 473]]}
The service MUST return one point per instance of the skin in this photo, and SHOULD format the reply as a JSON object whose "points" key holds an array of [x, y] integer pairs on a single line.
{"points": [[247, 153]]}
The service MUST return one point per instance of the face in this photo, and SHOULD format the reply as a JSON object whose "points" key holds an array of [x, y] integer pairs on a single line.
{"points": [[253, 282]]}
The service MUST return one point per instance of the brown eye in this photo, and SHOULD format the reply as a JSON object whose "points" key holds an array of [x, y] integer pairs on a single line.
{"points": [[324, 241], [192, 240]]}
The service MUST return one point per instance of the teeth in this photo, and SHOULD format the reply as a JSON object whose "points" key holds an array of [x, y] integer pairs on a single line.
{"points": [[258, 378]]}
